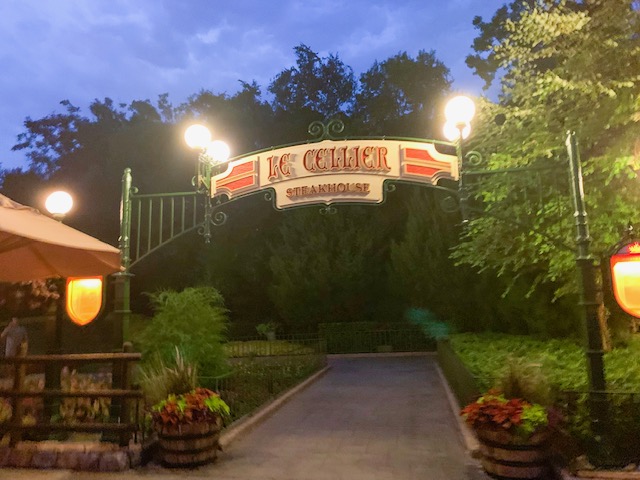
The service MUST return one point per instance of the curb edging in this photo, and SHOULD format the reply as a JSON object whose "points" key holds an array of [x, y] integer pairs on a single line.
{"points": [[245, 424]]}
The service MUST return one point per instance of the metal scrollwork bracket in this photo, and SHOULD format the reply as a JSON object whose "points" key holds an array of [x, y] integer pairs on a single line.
{"points": [[328, 210], [326, 131], [473, 159]]}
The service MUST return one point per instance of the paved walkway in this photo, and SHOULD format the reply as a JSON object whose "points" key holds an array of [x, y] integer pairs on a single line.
{"points": [[368, 418]]}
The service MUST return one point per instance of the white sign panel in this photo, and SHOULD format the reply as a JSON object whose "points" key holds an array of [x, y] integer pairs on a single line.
{"points": [[334, 171]]}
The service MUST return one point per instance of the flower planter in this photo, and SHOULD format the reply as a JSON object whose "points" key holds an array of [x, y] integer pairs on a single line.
{"points": [[189, 445], [506, 456]]}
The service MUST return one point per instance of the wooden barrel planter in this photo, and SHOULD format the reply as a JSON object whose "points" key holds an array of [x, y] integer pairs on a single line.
{"points": [[190, 445], [505, 456]]}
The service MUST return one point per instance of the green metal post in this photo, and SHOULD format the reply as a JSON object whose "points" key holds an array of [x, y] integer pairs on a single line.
{"points": [[204, 167], [463, 191], [589, 301], [122, 300]]}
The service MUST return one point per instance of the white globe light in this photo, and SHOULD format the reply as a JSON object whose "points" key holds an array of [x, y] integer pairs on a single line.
{"points": [[59, 203], [460, 109], [451, 131], [197, 136], [218, 151]]}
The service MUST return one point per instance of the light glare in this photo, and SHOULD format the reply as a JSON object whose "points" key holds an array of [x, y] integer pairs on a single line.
{"points": [[218, 151], [460, 109], [452, 131], [197, 136], [59, 203]]}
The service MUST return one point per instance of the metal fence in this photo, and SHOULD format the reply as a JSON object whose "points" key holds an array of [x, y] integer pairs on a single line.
{"points": [[397, 339], [617, 441], [256, 380]]}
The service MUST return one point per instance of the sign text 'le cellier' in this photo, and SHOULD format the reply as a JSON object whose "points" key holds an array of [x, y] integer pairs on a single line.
{"points": [[334, 171]]}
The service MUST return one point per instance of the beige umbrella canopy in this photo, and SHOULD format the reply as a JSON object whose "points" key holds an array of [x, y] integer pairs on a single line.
{"points": [[34, 246]]}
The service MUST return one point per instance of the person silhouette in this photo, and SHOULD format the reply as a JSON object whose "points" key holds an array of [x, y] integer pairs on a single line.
{"points": [[15, 336]]}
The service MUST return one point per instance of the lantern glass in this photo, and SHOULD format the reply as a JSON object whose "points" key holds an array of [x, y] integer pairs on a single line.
{"points": [[625, 277], [197, 136], [217, 151], [84, 299], [460, 109], [452, 131], [59, 203]]}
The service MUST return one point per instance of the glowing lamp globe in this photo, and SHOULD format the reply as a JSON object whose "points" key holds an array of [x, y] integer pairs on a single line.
{"points": [[84, 299], [218, 151], [197, 136], [59, 203], [625, 277], [452, 131], [460, 110]]}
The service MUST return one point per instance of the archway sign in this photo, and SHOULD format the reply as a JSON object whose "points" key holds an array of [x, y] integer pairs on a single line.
{"points": [[326, 170], [334, 171]]}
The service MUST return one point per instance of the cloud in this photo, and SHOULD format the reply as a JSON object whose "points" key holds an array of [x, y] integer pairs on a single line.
{"points": [[85, 49]]}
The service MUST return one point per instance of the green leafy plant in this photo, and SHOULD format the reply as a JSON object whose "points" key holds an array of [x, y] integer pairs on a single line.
{"points": [[159, 379], [198, 405], [267, 329], [526, 380], [196, 320]]}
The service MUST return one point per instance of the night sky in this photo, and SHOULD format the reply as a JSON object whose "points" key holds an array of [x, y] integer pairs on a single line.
{"points": [[80, 50]]}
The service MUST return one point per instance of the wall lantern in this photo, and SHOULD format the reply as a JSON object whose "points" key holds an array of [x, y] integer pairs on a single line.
{"points": [[625, 277], [84, 299]]}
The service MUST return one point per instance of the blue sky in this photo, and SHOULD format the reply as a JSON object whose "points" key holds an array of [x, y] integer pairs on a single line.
{"points": [[80, 50]]}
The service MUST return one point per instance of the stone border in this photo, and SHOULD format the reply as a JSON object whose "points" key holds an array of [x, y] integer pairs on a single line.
{"points": [[468, 437], [85, 456]]}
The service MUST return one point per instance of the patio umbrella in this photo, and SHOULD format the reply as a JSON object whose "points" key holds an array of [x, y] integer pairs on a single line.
{"points": [[34, 246]]}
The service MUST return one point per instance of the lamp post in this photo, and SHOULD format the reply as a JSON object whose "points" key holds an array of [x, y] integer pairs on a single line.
{"points": [[589, 296], [459, 112], [58, 204], [211, 153]]}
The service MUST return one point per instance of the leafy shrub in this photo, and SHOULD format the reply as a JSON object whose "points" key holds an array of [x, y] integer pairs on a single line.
{"points": [[194, 319], [526, 380], [258, 348], [267, 329], [159, 379]]}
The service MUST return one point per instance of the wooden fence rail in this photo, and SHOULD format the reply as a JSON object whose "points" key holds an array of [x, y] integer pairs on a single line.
{"points": [[124, 407]]}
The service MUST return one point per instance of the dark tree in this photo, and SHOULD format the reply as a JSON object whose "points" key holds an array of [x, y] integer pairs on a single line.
{"points": [[401, 96]]}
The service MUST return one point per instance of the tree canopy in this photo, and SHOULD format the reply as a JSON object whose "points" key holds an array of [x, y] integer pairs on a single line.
{"points": [[566, 66]]}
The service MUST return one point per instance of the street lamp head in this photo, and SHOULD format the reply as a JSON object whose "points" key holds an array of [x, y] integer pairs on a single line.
{"points": [[58, 204], [217, 151], [459, 110], [197, 136], [452, 131]]}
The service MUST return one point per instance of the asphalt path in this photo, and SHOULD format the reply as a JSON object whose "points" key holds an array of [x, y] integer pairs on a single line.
{"points": [[369, 418]]}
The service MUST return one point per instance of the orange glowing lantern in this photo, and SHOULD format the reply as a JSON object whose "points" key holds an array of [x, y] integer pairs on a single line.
{"points": [[84, 298], [625, 277]]}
